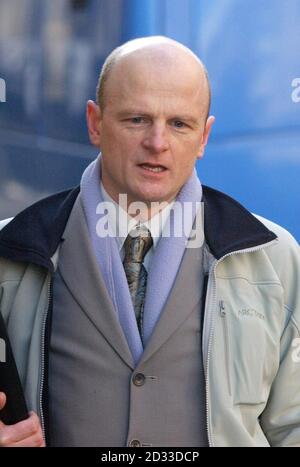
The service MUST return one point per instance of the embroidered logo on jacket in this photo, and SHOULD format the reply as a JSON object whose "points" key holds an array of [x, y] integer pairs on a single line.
{"points": [[250, 313]]}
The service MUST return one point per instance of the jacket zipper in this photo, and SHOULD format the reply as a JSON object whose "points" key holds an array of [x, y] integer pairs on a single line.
{"points": [[223, 315], [43, 344], [209, 321]]}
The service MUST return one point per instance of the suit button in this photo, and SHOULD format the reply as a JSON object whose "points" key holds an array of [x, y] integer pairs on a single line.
{"points": [[135, 443], [139, 379]]}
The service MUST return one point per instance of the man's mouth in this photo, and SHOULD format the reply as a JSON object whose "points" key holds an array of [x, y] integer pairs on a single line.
{"points": [[153, 168]]}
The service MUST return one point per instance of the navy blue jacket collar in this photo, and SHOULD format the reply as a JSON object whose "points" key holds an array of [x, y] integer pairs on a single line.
{"points": [[229, 227], [34, 235]]}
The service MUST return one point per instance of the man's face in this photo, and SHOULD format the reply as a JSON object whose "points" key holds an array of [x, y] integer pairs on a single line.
{"points": [[151, 130]]}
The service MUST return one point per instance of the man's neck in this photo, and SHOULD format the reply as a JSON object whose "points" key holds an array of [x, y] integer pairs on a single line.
{"points": [[124, 222]]}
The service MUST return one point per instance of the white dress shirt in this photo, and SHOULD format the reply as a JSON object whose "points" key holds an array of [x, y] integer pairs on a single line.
{"points": [[123, 223]]}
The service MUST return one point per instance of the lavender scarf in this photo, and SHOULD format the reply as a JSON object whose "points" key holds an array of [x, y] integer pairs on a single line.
{"points": [[165, 262]]}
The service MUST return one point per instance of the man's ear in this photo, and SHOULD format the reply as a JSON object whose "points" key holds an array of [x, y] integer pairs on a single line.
{"points": [[93, 117], [205, 136]]}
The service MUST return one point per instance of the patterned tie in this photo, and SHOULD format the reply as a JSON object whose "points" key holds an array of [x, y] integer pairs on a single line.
{"points": [[137, 244]]}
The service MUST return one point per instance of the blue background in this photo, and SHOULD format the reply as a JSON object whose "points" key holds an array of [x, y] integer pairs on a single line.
{"points": [[51, 53]]}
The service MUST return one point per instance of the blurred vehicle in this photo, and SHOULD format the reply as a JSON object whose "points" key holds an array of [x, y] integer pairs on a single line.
{"points": [[51, 53]]}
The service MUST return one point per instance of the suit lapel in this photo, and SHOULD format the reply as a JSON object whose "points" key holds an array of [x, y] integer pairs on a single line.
{"points": [[80, 272]]}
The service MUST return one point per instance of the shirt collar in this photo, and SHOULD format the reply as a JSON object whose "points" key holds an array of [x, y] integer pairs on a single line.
{"points": [[123, 223]]}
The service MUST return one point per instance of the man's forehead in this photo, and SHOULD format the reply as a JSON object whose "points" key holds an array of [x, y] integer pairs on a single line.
{"points": [[145, 91], [129, 100]]}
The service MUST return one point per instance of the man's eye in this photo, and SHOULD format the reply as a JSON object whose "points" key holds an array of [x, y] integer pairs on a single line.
{"points": [[137, 120], [178, 124]]}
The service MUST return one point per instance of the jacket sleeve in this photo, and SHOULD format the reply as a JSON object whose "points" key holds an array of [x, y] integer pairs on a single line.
{"points": [[280, 420]]}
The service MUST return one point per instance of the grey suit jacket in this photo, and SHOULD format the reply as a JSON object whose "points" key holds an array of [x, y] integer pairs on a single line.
{"points": [[97, 396]]}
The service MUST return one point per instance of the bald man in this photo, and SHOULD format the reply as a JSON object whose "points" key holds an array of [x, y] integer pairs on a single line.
{"points": [[143, 308]]}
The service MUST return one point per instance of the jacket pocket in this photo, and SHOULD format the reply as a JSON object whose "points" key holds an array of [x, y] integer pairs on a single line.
{"points": [[251, 335]]}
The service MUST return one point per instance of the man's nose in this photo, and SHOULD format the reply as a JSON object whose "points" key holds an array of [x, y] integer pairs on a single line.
{"points": [[156, 139]]}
